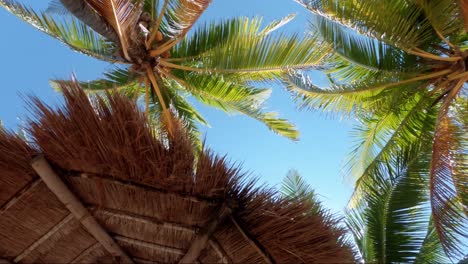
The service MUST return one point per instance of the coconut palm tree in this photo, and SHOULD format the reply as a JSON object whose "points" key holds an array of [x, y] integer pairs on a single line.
{"points": [[155, 56], [400, 67]]}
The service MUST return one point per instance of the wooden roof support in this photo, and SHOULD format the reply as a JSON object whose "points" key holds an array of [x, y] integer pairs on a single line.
{"points": [[200, 241], [74, 205], [86, 252], [152, 246], [41, 240], [254, 243], [20, 194], [220, 251], [143, 220], [185, 196]]}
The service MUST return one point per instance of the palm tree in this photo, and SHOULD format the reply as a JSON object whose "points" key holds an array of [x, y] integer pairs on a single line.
{"points": [[400, 67], [148, 41]]}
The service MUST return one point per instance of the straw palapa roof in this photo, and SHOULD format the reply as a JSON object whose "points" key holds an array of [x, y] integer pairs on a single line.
{"points": [[152, 201]]}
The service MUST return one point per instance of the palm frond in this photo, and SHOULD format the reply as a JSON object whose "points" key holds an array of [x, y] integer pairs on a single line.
{"points": [[269, 55], [362, 51], [277, 24], [382, 139], [407, 29], [151, 6], [431, 250], [115, 80], [86, 14], [56, 7], [181, 15], [187, 115], [390, 227], [449, 218], [444, 16], [122, 16], [367, 95], [214, 91], [72, 33], [215, 33], [294, 186], [463, 5]]}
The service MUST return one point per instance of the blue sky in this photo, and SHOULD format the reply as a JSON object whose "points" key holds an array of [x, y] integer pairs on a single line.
{"points": [[30, 58]]}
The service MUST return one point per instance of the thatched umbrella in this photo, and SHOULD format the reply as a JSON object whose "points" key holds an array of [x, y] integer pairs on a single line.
{"points": [[96, 185]]}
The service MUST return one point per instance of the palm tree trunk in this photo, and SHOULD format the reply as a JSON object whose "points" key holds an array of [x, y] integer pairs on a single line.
{"points": [[85, 13]]}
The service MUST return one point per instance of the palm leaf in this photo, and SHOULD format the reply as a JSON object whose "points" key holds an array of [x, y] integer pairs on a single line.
{"points": [[122, 16], [382, 140], [216, 33], [363, 52], [463, 5], [84, 12], [277, 24], [407, 29], [294, 187], [151, 6], [181, 15], [367, 95], [390, 227], [231, 97], [117, 79], [268, 54], [431, 250], [73, 33], [444, 16], [449, 219]]}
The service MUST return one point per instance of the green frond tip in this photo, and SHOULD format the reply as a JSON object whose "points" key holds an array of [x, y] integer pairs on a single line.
{"points": [[279, 125], [294, 186], [277, 24], [117, 79], [73, 33]]}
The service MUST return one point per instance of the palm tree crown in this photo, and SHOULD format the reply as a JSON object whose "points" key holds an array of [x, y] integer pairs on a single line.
{"points": [[156, 56], [400, 66]]}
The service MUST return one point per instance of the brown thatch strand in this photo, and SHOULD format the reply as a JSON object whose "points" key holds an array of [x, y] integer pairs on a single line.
{"points": [[149, 192], [73, 204]]}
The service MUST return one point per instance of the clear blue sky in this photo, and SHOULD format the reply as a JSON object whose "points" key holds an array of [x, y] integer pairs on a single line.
{"points": [[30, 58]]}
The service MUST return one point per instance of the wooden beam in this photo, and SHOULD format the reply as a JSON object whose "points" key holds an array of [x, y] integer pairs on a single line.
{"points": [[20, 194], [190, 197], [254, 243], [74, 205], [144, 220], [85, 252], [224, 258], [41, 240], [152, 246], [200, 241]]}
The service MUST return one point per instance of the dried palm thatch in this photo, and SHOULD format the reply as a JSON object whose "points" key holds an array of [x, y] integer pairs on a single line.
{"points": [[152, 199]]}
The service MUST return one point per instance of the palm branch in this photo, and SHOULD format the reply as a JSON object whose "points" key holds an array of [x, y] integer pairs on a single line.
{"points": [[393, 224]]}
